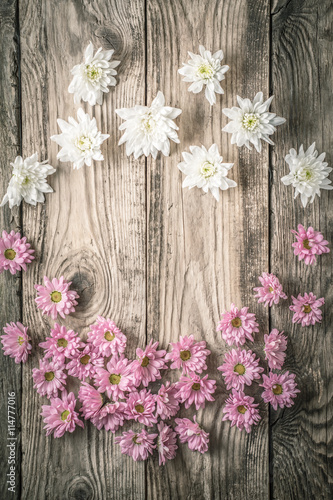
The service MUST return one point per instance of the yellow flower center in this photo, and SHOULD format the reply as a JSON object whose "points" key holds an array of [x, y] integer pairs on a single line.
{"points": [[109, 336], [64, 415], [250, 121], [306, 244], [49, 376], [240, 369], [134, 439], [241, 409], [114, 379], [236, 322], [56, 296], [10, 254], [139, 408], [196, 386], [271, 289], [85, 359], [307, 308], [145, 362], [277, 389], [205, 71], [62, 343], [148, 124], [185, 355], [20, 340], [208, 169], [93, 73], [84, 143]]}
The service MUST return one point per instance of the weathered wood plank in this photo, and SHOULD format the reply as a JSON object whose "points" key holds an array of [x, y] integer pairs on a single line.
{"points": [[301, 80], [203, 255], [10, 286], [91, 230]]}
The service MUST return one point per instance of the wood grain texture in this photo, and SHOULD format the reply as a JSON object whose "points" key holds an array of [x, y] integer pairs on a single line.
{"points": [[203, 255], [301, 74], [10, 286]]}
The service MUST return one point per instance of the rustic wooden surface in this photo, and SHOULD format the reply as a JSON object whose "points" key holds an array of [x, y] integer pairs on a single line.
{"points": [[162, 261]]}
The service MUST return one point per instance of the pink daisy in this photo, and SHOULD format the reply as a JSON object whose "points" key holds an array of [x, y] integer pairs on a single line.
{"points": [[241, 411], [49, 378], [280, 390], [83, 363], [92, 400], [110, 417], [62, 343], [141, 407], [271, 290], [275, 345], [188, 355], [309, 244], [60, 415], [306, 309], [137, 445], [15, 252], [106, 336], [194, 389], [148, 365], [116, 379], [167, 404], [240, 368], [237, 326], [55, 297], [191, 433], [16, 342], [166, 443]]}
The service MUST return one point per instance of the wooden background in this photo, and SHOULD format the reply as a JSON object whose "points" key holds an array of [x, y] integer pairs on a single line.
{"points": [[162, 261]]}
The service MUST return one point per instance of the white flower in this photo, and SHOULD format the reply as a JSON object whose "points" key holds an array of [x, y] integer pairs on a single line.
{"points": [[93, 76], [80, 141], [308, 173], [148, 130], [252, 122], [28, 182], [205, 170], [205, 69]]}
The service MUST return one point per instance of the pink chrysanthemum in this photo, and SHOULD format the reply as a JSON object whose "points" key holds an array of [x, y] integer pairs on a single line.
{"points": [[141, 407], [309, 244], [92, 400], [110, 417], [62, 344], [188, 355], [191, 433], [16, 342], [271, 290], [167, 404], [241, 411], [107, 337], [83, 363], [237, 326], [49, 378], [116, 379], [194, 389], [148, 365], [15, 252], [275, 347], [166, 443], [306, 309], [280, 390], [55, 297], [137, 445], [60, 415], [240, 368]]}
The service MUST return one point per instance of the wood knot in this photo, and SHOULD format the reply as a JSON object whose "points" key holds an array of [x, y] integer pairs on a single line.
{"points": [[80, 488]]}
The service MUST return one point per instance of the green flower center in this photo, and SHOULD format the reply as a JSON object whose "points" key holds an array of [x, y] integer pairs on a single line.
{"points": [[240, 369], [10, 254], [139, 408], [64, 415], [20, 340], [241, 409], [306, 244], [62, 343], [185, 355], [236, 322], [307, 308], [134, 439], [208, 169], [56, 296], [114, 379], [277, 389], [145, 362], [49, 376], [109, 336], [250, 121], [85, 359], [93, 73], [205, 71], [148, 124], [196, 386], [271, 289], [26, 181], [84, 143]]}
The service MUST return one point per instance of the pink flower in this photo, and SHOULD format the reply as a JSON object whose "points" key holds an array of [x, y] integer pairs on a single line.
{"points": [[241, 411], [306, 309], [194, 389], [62, 343], [116, 379], [92, 400], [60, 415], [55, 297], [275, 345], [309, 244], [271, 290], [83, 363], [240, 368], [141, 407], [279, 389], [237, 326], [110, 417], [191, 433], [167, 404], [49, 378], [166, 443], [15, 252], [147, 368], [188, 355], [16, 342], [106, 336], [137, 445]]}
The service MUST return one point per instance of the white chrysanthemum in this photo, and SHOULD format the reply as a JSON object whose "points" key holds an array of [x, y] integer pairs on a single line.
{"points": [[308, 173], [205, 69], [148, 130], [252, 122], [205, 170], [28, 182], [80, 141], [93, 76]]}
